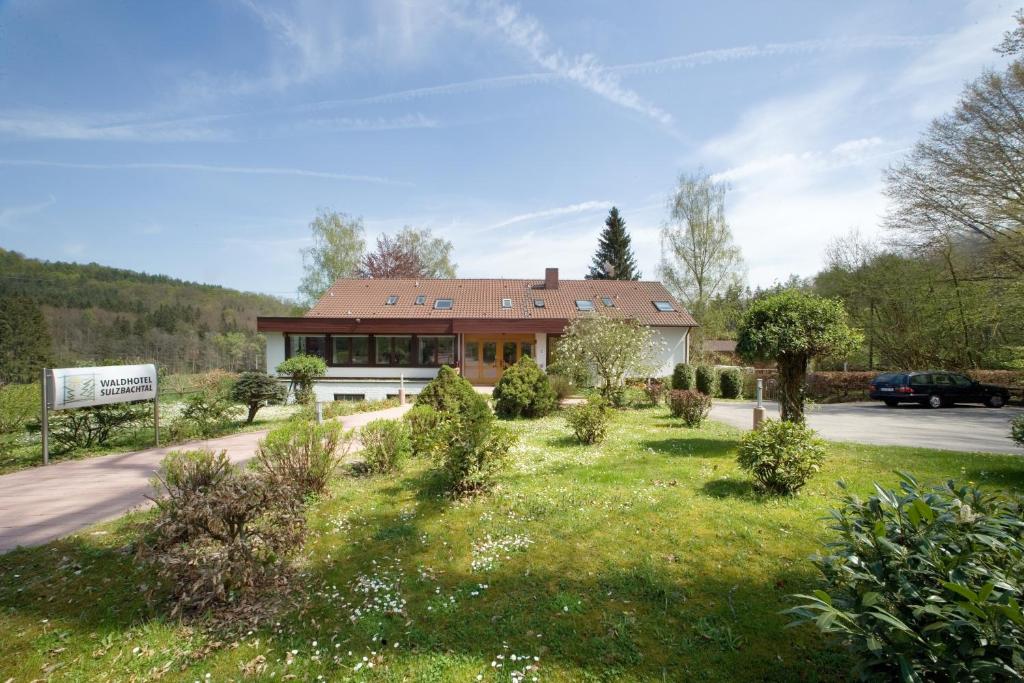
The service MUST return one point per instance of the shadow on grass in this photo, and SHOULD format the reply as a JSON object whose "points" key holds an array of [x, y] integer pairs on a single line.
{"points": [[729, 488], [691, 447], [562, 441]]}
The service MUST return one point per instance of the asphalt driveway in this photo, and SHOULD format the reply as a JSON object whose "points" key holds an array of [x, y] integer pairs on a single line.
{"points": [[961, 428]]}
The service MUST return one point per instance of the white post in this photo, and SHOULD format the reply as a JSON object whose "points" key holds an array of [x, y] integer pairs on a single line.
{"points": [[45, 423], [319, 412], [759, 410], [156, 410], [401, 389]]}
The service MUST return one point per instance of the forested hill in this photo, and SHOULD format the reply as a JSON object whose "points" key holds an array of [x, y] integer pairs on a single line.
{"points": [[97, 313]]}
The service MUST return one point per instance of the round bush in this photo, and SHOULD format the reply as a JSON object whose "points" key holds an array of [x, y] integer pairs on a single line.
{"points": [[449, 393], [683, 377], [692, 406], [589, 421], [386, 444], [730, 383], [423, 423], [781, 455], [706, 380], [524, 391], [303, 370]]}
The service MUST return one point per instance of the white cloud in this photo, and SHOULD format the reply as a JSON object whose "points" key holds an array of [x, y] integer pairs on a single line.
{"points": [[78, 127], [551, 213], [10, 215], [407, 122], [203, 168]]}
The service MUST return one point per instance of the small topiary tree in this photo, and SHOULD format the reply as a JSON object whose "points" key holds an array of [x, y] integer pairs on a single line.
{"points": [[923, 584], [589, 421], [423, 423], [524, 391], [791, 328], [730, 383], [1017, 430], [386, 445], [683, 377], [707, 380], [448, 392], [303, 370], [255, 390], [781, 455], [692, 406]]}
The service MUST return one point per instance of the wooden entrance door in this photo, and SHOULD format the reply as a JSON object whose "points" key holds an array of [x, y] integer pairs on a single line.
{"points": [[485, 357]]}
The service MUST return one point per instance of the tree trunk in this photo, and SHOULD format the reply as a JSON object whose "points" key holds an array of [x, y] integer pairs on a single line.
{"points": [[253, 407], [792, 375]]}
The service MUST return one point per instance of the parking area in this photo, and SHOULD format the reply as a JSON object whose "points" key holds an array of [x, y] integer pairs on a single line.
{"points": [[960, 428]]}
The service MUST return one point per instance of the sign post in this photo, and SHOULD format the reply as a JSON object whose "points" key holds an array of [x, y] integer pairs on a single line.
{"points": [[759, 410], [70, 388], [156, 412]]}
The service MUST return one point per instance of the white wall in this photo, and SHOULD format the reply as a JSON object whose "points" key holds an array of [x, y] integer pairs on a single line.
{"points": [[676, 350], [275, 350], [540, 350]]}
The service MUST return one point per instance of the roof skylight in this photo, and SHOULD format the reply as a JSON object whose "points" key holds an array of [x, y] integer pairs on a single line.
{"points": [[584, 305], [608, 301], [506, 303], [421, 299], [538, 303], [391, 300], [664, 306], [444, 304]]}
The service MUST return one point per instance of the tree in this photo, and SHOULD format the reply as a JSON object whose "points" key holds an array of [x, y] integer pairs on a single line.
{"points": [[614, 259], [964, 180], [434, 253], [391, 259], [24, 340], [611, 349], [792, 328], [303, 370], [338, 246], [255, 390]]}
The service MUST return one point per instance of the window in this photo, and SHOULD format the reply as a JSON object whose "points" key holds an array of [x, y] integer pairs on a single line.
{"points": [[472, 351], [608, 301], [393, 350], [584, 305], [941, 380], [350, 397], [664, 306], [444, 304], [506, 303], [961, 381], [391, 300], [490, 352], [421, 299], [437, 350], [526, 348], [508, 353], [309, 344], [538, 303], [920, 380], [350, 350]]}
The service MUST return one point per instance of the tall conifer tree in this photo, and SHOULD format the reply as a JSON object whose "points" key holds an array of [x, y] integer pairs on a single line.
{"points": [[614, 259]]}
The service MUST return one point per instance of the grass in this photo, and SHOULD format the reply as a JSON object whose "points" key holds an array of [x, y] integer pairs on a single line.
{"points": [[645, 558]]}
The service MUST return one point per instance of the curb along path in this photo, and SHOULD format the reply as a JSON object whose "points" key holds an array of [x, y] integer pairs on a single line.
{"points": [[44, 503]]}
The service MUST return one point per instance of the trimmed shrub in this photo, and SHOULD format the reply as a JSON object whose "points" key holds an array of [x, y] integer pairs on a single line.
{"points": [[19, 405], [730, 383], [218, 532], [255, 390], [423, 423], [683, 377], [924, 584], [448, 392], [386, 445], [524, 391], [97, 425], [692, 406], [562, 386], [655, 390], [781, 455], [302, 455], [706, 380], [303, 370], [203, 414], [1017, 430], [589, 421]]}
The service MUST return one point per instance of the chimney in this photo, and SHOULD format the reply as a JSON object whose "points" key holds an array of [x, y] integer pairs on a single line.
{"points": [[551, 278]]}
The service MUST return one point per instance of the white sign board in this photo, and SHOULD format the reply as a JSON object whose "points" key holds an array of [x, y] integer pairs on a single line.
{"points": [[83, 387]]}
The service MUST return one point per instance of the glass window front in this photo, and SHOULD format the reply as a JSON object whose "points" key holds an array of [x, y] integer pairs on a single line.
{"points": [[437, 350], [309, 344], [472, 351], [527, 348], [508, 352], [490, 352], [393, 350], [354, 350]]}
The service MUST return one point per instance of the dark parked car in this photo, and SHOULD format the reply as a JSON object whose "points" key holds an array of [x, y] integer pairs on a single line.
{"points": [[935, 390]]}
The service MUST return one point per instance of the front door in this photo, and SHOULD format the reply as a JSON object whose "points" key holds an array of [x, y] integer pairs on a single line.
{"points": [[486, 357]]}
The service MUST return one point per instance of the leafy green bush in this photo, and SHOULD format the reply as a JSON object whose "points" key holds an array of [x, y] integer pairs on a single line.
{"points": [[781, 455], [731, 383], [589, 421], [655, 390], [303, 370], [562, 386], [524, 391], [706, 380], [19, 406], [203, 414], [924, 584], [97, 425], [448, 392], [218, 532], [386, 444], [683, 377], [692, 406], [255, 390], [302, 455], [1017, 430], [423, 430]]}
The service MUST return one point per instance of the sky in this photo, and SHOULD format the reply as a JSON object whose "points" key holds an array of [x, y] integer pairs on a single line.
{"points": [[199, 139]]}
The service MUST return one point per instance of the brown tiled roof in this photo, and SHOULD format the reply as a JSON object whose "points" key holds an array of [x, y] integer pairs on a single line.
{"points": [[481, 298]]}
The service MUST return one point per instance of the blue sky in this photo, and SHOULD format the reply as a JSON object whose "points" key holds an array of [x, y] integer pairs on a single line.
{"points": [[199, 139]]}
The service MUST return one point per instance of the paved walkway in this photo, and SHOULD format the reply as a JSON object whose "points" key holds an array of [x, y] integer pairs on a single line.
{"points": [[961, 428], [44, 503]]}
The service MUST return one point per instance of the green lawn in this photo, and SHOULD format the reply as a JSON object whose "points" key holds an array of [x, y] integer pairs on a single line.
{"points": [[645, 558]]}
